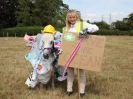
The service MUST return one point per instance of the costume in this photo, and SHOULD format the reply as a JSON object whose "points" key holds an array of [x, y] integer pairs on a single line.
{"points": [[48, 42]]}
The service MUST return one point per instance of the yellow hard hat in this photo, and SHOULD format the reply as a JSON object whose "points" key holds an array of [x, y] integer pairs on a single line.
{"points": [[49, 29]]}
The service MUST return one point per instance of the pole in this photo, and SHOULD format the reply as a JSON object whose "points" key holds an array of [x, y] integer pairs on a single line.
{"points": [[78, 83]]}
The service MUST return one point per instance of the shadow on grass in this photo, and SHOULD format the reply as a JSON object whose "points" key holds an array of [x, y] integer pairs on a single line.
{"points": [[98, 86]]}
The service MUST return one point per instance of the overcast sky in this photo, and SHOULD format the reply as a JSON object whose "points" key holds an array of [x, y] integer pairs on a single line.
{"points": [[97, 10]]}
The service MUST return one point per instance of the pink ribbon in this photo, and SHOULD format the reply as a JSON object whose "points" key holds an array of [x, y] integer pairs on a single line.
{"points": [[69, 60]]}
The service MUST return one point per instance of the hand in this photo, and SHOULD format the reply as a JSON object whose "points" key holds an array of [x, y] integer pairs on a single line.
{"points": [[59, 51], [84, 31]]}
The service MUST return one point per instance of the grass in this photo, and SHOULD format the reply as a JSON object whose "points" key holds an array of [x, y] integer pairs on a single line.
{"points": [[114, 82]]}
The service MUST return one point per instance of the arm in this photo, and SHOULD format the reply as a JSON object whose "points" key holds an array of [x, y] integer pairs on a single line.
{"points": [[91, 27]]}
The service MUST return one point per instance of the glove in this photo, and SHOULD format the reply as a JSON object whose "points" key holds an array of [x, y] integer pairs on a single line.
{"points": [[58, 51], [84, 31]]}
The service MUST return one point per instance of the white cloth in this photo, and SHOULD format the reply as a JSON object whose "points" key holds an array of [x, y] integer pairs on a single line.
{"points": [[72, 28], [91, 27]]}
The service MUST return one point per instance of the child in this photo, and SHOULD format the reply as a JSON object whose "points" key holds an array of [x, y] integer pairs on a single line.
{"points": [[74, 24]]}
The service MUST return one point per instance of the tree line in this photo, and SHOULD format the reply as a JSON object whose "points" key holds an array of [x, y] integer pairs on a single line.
{"points": [[31, 12], [42, 12], [125, 24]]}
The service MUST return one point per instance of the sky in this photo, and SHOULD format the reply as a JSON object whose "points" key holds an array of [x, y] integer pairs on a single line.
{"points": [[106, 10]]}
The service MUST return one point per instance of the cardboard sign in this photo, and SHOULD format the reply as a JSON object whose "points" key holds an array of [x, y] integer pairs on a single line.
{"points": [[89, 55]]}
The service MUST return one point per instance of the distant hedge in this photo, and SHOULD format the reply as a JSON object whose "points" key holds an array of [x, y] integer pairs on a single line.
{"points": [[33, 30], [20, 31], [114, 32]]}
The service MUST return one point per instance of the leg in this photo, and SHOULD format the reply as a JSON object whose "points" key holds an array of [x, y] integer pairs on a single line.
{"points": [[70, 79], [32, 81], [54, 64], [53, 78], [82, 81]]}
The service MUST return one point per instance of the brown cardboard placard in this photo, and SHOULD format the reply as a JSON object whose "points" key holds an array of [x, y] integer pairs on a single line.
{"points": [[89, 55]]}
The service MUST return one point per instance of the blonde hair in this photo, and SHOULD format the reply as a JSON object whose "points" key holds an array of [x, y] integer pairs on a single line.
{"points": [[77, 13]]}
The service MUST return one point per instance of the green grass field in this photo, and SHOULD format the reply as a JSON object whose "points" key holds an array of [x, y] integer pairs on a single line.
{"points": [[115, 81]]}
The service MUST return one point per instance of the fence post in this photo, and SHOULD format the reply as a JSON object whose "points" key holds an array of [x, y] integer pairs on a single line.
{"points": [[7, 35], [3, 34], [15, 35]]}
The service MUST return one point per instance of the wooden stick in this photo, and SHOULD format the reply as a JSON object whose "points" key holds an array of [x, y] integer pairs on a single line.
{"points": [[78, 84]]}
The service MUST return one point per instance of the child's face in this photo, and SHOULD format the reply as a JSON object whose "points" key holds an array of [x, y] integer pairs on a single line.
{"points": [[72, 17]]}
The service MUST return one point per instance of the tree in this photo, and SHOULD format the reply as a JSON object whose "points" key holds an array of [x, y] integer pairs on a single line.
{"points": [[51, 11], [130, 21], [60, 17], [130, 17], [7, 13], [39, 12], [24, 12], [125, 24], [102, 25], [120, 25]]}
